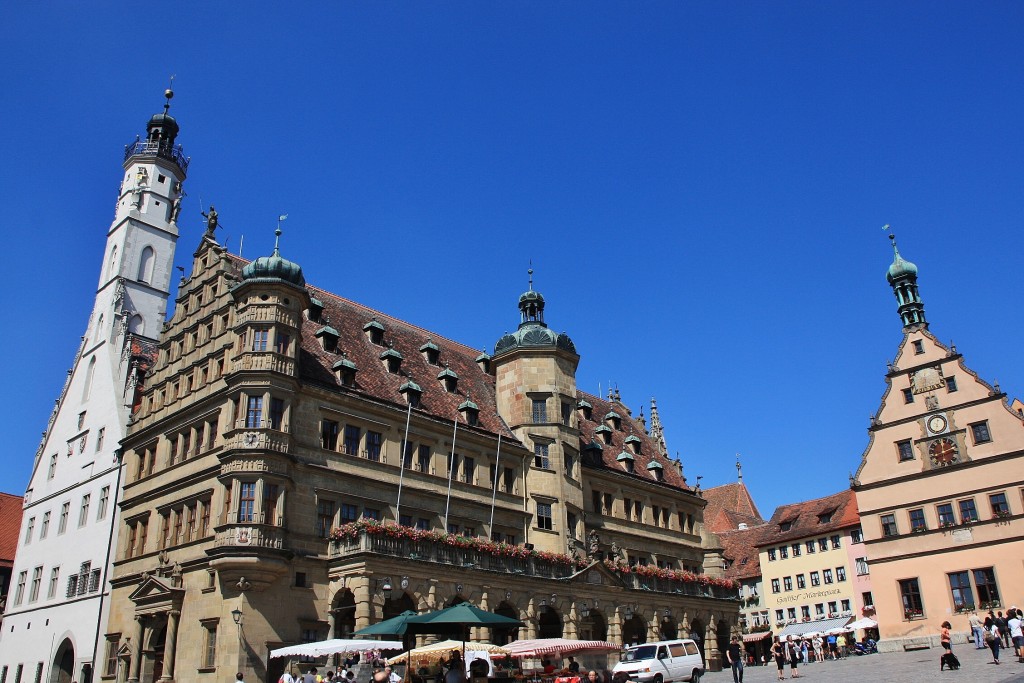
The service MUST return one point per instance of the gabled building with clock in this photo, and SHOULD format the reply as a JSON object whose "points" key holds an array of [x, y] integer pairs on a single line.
{"points": [[939, 486]]}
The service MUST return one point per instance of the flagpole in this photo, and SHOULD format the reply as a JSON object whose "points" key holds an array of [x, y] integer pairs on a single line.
{"points": [[401, 471], [494, 489], [451, 470]]}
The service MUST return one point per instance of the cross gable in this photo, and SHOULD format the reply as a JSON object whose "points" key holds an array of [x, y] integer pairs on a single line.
{"points": [[155, 595], [596, 574]]}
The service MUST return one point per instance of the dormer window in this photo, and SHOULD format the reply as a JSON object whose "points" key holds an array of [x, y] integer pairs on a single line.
{"points": [[613, 420], [392, 360], [346, 371], [449, 380], [483, 361], [625, 459], [316, 309], [430, 352], [604, 432], [825, 517], [328, 337], [470, 412], [412, 392], [585, 408], [656, 470], [374, 332], [633, 443], [785, 526]]}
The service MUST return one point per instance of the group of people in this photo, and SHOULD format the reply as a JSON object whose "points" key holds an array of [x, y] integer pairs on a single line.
{"points": [[995, 632], [311, 676]]}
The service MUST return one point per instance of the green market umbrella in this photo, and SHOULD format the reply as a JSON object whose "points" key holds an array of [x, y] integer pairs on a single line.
{"points": [[395, 626], [456, 619]]}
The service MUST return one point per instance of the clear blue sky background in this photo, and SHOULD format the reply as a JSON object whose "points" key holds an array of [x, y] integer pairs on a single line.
{"points": [[701, 187]]}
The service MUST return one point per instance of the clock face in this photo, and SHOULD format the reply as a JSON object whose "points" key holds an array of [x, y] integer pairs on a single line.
{"points": [[936, 424], [943, 451]]}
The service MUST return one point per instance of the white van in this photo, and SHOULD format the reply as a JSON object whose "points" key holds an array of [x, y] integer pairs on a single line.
{"points": [[661, 662]]}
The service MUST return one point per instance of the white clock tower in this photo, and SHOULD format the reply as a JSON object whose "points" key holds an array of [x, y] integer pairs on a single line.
{"points": [[55, 612]]}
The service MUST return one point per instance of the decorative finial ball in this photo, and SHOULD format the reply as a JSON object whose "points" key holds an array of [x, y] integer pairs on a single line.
{"points": [[529, 271], [278, 232], [168, 93]]}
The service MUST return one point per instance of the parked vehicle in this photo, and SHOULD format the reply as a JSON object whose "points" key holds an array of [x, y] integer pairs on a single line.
{"points": [[868, 647], [662, 662]]}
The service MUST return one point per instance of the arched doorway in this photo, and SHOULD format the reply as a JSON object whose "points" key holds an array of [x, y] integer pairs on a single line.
{"points": [[343, 609], [394, 606], [549, 623], [669, 628], [722, 634], [634, 630], [153, 656], [593, 626], [64, 663], [502, 636], [697, 633]]}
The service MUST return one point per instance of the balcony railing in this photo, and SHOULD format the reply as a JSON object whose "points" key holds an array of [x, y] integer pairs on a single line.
{"points": [[442, 553], [255, 536], [157, 148]]}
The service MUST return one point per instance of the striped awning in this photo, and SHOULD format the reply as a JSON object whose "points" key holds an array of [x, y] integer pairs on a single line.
{"points": [[754, 637], [819, 626]]}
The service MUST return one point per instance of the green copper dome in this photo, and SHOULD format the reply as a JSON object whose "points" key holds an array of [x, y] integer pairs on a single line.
{"points": [[900, 268], [274, 267]]}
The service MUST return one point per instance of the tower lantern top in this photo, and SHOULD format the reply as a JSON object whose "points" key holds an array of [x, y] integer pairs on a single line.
{"points": [[161, 132]]}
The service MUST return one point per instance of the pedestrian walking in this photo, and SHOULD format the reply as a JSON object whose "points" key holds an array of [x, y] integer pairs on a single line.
{"points": [[735, 658]]}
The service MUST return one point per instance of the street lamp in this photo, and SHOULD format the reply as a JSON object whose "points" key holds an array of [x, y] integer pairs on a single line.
{"points": [[385, 587], [236, 616]]}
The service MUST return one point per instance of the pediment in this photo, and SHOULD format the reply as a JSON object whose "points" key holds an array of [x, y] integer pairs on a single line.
{"points": [[596, 574], [154, 593]]}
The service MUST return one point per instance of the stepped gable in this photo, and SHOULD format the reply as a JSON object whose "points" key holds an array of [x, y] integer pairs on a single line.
{"points": [[729, 506], [10, 528], [648, 447], [804, 518], [740, 550]]}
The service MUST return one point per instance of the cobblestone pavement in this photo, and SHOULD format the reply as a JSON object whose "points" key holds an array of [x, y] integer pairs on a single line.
{"points": [[921, 665]]}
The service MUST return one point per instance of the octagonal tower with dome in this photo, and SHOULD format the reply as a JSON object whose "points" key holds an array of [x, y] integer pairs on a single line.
{"points": [[535, 389]]}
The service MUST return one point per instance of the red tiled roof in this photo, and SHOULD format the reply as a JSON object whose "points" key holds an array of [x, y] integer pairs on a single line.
{"points": [[804, 521], [729, 506], [10, 527], [648, 448], [740, 549], [372, 378]]}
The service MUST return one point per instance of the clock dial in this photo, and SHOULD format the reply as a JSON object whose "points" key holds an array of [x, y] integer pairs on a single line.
{"points": [[943, 451], [936, 424]]}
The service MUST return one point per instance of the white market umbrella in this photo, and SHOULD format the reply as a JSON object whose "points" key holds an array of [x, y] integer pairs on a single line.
{"points": [[539, 647], [862, 623], [438, 651], [334, 646]]}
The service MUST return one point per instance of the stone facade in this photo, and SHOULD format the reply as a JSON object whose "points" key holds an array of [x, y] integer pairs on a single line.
{"points": [[264, 475]]}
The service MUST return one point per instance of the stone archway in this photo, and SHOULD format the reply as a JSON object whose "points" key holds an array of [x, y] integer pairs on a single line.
{"points": [[668, 628], [697, 634], [63, 670], [634, 630], [722, 634], [593, 626], [549, 623], [503, 636], [153, 656], [394, 606], [343, 609]]}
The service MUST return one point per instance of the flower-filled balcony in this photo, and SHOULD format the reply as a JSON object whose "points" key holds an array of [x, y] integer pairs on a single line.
{"points": [[388, 538]]}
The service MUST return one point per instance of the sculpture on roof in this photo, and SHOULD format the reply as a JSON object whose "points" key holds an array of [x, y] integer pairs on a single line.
{"points": [[211, 220]]}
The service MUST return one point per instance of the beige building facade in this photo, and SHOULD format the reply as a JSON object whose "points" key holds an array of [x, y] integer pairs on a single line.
{"points": [[940, 486], [302, 466]]}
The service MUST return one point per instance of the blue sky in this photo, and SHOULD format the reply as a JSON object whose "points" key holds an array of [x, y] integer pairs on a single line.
{"points": [[700, 188]]}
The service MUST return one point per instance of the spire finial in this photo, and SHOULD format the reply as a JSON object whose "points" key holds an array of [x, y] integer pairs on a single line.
{"points": [[169, 93], [739, 469], [529, 272], [892, 239], [277, 234]]}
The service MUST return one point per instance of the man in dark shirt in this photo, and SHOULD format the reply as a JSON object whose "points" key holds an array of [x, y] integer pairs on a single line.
{"points": [[574, 666], [735, 657]]}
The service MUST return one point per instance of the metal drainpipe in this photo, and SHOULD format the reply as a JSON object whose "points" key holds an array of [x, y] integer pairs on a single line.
{"points": [[106, 561]]}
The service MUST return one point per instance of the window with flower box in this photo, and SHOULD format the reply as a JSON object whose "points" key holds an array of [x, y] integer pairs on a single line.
{"points": [[910, 595]]}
